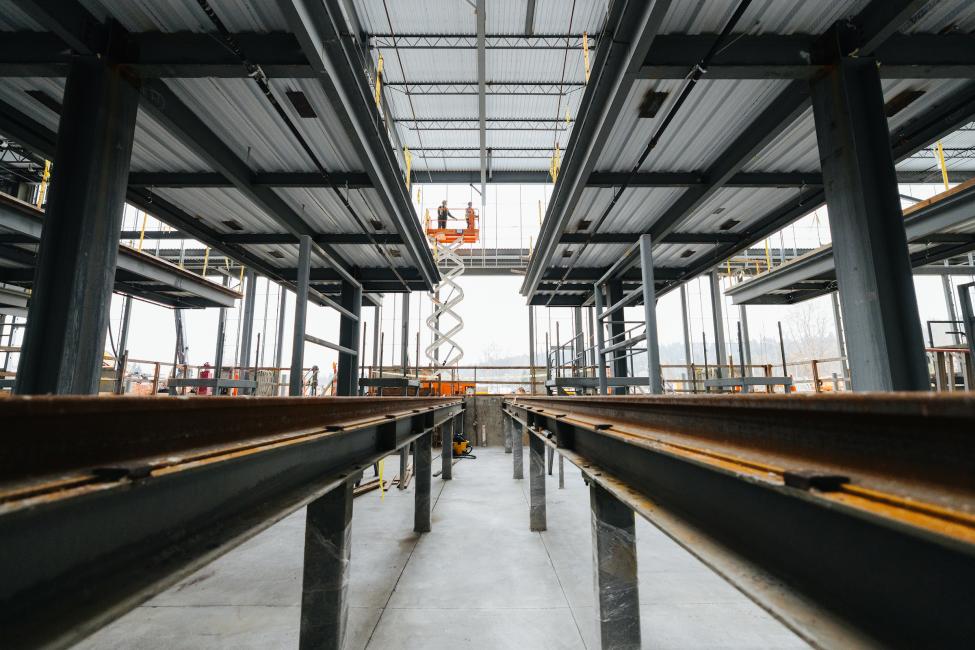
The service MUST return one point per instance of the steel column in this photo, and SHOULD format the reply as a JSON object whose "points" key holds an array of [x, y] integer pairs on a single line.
{"points": [[614, 554], [840, 337], [123, 342], [549, 458], [650, 314], [325, 579], [221, 342], [614, 293], [247, 314], [950, 306], [422, 480], [517, 448], [578, 341], [536, 477], [404, 460], [745, 340], [446, 451], [597, 294], [279, 342], [685, 324], [301, 315], [873, 270], [531, 349], [405, 352], [348, 370], [717, 314], [69, 307], [507, 429]]}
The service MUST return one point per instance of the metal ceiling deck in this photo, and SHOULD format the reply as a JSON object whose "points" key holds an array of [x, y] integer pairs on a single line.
{"points": [[746, 120], [202, 115]]}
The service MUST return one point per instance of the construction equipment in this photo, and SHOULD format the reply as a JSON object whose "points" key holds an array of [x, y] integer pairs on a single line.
{"points": [[462, 447]]}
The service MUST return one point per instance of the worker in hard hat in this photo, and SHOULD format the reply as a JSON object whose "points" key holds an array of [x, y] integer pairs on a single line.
{"points": [[470, 216], [442, 215]]}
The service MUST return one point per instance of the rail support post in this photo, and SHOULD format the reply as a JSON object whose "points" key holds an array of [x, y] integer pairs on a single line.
{"points": [[517, 448], [404, 466], [446, 452], [508, 429], [421, 468], [614, 556], [536, 487], [550, 457], [325, 581]]}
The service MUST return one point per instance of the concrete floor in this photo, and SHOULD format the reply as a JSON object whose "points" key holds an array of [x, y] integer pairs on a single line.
{"points": [[480, 579]]}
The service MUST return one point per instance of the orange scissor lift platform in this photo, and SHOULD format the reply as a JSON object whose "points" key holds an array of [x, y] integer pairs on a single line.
{"points": [[461, 230]]}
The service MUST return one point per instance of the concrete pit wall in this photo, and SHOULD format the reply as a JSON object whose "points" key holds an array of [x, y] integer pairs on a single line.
{"points": [[484, 412]]}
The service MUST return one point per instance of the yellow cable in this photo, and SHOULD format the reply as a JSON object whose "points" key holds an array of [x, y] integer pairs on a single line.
{"points": [[142, 233], [941, 161], [585, 52], [42, 192], [206, 259], [382, 492], [379, 77]]}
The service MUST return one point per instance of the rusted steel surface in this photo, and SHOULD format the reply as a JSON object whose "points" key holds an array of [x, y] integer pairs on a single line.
{"points": [[47, 435], [851, 518], [908, 444], [105, 502]]}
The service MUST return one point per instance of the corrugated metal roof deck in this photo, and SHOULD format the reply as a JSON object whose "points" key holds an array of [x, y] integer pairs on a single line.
{"points": [[718, 112], [236, 112]]}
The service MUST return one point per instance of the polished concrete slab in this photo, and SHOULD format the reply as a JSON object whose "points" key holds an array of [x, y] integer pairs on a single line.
{"points": [[480, 579]]}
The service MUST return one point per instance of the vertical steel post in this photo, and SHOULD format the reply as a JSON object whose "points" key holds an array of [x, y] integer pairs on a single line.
{"points": [[550, 458], [561, 472], [422, 479], [578, 343], [405, 352], [301, 315], [717, 313], [531, 348], [348, 370], [279, 338], [375, 338], [873, 270], [745, 340], [840, 338], [250, 297], [221, 343], [508, 430], [325, 579], [597, 293], [68, 317], [614, 293], [517, 448], [404, 460], [949, 306], [123, 342], [446, 451], [614, 556], [650, 314], [685, 328], [536, 487]]}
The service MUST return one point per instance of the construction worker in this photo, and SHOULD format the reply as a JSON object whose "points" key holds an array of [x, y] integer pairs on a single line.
{"points": [[470, 216], [442, 215]]}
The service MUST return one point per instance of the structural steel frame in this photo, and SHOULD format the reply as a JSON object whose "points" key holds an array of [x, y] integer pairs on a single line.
{"points": [[847, 517], [106, 503]]}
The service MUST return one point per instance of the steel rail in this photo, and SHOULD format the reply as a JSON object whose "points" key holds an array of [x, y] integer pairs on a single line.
{"points": [[849, 518], [106, 502]]}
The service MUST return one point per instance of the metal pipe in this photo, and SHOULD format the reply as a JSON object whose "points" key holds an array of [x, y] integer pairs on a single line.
{"points": [[295, 387]]}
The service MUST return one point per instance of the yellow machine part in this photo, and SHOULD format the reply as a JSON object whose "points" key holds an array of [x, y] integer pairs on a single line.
{"points": [[460, 448]]}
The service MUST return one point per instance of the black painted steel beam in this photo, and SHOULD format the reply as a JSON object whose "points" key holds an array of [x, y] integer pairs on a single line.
{"points": [[204, 476], [845, 517]]}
